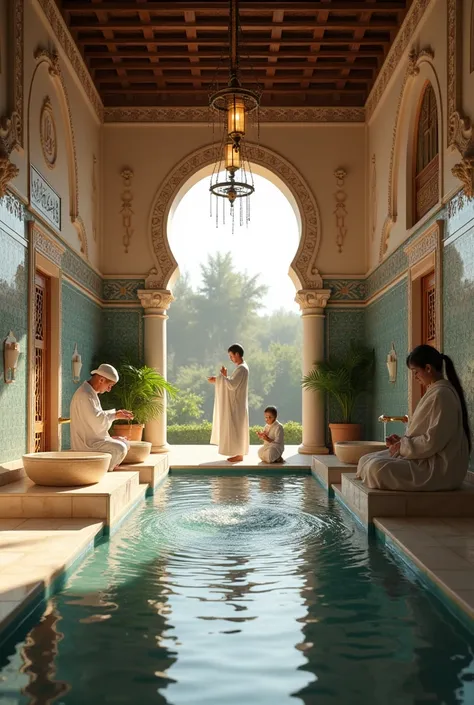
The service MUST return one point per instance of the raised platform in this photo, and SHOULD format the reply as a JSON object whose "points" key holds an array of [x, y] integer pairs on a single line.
{"points": [[108, 500], [152, 472], [328, 469], [206, 457], [36, 556], [367, 504]]}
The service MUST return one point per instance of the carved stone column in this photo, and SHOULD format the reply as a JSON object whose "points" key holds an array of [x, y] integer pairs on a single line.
{"points": [[312, 303], [155, 303]]}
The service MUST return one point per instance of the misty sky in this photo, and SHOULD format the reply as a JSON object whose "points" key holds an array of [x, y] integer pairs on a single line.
{"points": [[266, 247]]}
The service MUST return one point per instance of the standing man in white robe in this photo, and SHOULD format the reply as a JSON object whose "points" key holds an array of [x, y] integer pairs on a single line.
{"points": [[90, 423], [230, 424]]}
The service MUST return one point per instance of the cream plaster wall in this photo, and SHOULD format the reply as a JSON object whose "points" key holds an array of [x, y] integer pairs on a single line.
{"points": [[152, 152], [86, 129], [405, 91]]}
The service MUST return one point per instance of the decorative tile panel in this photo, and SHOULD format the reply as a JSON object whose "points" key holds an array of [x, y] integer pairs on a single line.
{"points": [[122, 335], [122, 289], [44, 199], [458, 319], [81, 324], [76, 268], [13, 214], [460, 211], [387, 322], [14, 317], [346, 289]]}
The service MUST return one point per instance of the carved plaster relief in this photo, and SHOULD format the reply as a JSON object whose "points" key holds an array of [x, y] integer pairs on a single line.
{"points": [[373, 198], [340, 211], [415, 58], [51, 58], [48, 134], [11, 125], [126, 207]]}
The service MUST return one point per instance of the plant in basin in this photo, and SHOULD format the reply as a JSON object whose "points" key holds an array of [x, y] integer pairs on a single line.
{"points": [[141, 390], [345, 380]]}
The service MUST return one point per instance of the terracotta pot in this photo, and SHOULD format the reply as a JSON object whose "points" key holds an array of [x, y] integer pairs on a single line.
{"points": [[131, 431], [345, 432]]}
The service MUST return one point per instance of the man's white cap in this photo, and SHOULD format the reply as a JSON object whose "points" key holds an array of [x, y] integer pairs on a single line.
{"points": [[108, 372]]}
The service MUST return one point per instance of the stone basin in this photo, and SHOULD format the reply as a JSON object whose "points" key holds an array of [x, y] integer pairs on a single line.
{"points": [[66, 468], [137, 453], [351, 452]]}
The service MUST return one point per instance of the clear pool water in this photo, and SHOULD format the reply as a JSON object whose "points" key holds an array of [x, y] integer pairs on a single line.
{"points": [[241, 591]]}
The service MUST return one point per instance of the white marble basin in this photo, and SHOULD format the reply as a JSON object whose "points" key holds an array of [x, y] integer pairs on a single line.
{"points": [[137, 453], [351, 452], [66, 468]]}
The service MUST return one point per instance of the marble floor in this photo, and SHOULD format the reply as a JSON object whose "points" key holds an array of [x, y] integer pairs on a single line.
{"points": [[206, 456]]}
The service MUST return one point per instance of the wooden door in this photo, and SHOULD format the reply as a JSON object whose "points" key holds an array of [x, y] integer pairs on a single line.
{"points": [[41, 353], [428, 313]]}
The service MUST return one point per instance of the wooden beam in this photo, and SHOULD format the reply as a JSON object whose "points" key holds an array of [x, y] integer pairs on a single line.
{"points": [[218, 55], [211, 66], [174, 8], [150, 78], [223, 26], [204, 91], [245, 42]]}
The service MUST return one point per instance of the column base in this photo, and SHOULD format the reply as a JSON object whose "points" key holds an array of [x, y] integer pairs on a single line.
{"points": [[165, 448], [313, 450]]}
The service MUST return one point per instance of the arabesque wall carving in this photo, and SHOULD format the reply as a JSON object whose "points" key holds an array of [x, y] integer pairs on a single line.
{"points": [[51, 58], [304, 263], [415, 59], [11, 125]]}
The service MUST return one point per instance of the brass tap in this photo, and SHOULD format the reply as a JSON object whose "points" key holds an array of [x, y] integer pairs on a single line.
{"points": [[388, 419]]}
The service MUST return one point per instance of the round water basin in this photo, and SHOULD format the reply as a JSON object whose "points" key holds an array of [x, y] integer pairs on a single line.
{"points": [[66, 468], [351, 452], [137, 453]]}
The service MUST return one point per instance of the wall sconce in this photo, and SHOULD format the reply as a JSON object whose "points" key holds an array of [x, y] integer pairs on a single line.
{"points": [[76, 366], [392, 365], [11, 353]]}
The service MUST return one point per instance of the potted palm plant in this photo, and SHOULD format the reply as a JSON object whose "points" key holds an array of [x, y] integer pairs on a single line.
{"points": [[345, 380], [140, 390]]}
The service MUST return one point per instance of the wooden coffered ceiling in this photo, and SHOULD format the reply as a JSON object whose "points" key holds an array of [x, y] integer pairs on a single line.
{"points": [[159, 53]]}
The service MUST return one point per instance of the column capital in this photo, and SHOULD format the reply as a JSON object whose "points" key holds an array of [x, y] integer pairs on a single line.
{"points": [[155, 301], [312, 300]]}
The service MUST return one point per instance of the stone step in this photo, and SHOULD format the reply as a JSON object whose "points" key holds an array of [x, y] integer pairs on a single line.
{"points": [[11, 472], [367, 504], [152, 472], [107, 500], [327, 469]]}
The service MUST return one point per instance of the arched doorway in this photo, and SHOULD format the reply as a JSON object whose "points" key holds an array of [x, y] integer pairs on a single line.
{"points": [[311, 296]]}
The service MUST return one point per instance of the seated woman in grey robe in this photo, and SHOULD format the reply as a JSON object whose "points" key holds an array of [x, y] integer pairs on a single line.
{"points": [[434, 453]]}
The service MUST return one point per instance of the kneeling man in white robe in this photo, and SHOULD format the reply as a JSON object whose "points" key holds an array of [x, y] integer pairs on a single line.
{"points": [[90, 423], [230, 423], [273, 438]]}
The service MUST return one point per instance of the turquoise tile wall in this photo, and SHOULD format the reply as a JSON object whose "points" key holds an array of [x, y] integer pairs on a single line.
{"points": [[458, 312], [386, 322], [343, 326], [81, 324], [14, 317], [122, 335]]}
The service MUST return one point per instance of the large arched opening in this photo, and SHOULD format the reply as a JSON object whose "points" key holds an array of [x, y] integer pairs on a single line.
{"points": [[303, 271]]}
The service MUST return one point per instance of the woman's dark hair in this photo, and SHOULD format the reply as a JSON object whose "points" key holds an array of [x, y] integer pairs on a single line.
{"points": [[424, 355], [236, 348], [272, 410]]}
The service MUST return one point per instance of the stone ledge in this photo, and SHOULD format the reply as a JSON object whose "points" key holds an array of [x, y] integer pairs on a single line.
{"points": [[368, 504], [107, 500], [152, 472], [11, 472], [328, 470]]}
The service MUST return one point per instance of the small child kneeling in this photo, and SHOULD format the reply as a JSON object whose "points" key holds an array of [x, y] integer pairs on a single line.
{"points": [[272, 437]]}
